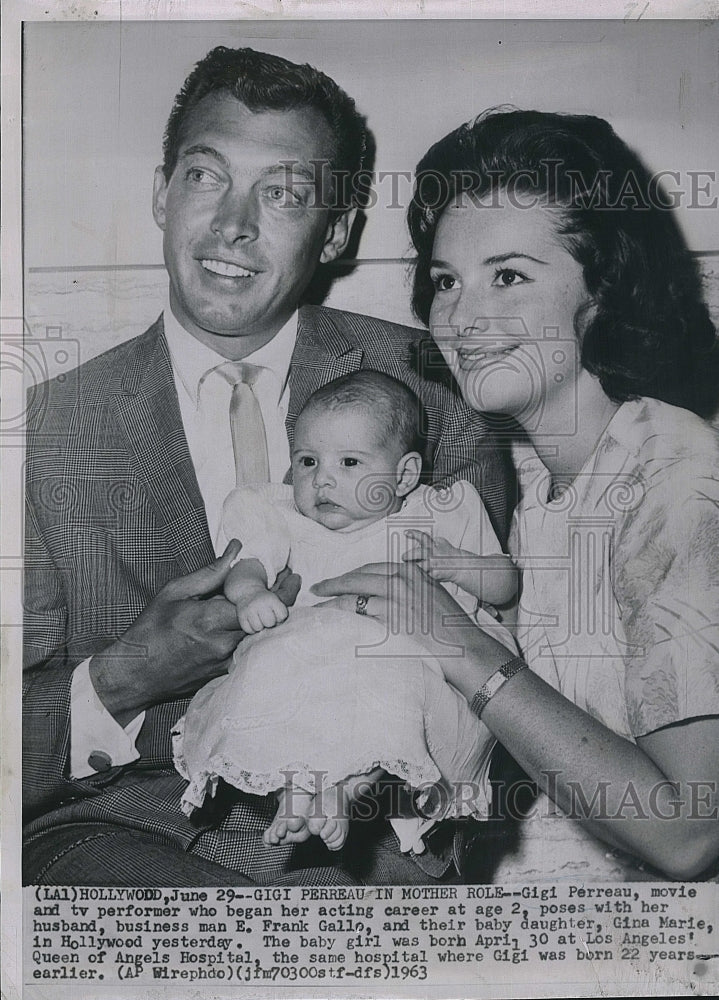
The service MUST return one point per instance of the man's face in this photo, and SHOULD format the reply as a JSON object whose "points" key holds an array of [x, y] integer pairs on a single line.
{"points": [[243, 234]]}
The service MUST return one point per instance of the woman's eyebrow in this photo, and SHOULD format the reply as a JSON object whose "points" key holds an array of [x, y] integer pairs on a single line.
{"points": [[501, 258]]}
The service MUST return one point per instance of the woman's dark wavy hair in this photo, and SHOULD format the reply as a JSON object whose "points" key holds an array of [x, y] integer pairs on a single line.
{"points": [[265, 82], [649, 333]]}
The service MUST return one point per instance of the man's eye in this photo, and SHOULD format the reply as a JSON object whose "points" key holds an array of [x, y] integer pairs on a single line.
{"points": [[199, 176], [443, 282], [280, 195], [350, 463], [507, 277]]}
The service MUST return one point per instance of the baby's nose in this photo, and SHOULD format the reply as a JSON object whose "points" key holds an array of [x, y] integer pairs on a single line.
{"points": [[323, 477]]}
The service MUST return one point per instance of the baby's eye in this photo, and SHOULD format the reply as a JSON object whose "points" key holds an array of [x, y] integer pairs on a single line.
{"points": [[443, 282], [306, 462], [507, 277], [350, 463]]}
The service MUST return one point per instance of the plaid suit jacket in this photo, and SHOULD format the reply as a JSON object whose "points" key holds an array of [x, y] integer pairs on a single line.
{"points": [[114, 512]]}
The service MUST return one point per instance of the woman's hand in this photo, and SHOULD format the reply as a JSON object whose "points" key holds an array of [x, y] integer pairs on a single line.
{"points": [[410, 604]]}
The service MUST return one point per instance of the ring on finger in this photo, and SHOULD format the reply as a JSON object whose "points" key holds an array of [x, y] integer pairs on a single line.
{"points": [[361, 605]]}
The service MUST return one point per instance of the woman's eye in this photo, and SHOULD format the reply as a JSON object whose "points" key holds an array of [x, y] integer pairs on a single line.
{"points": [[507, 277], [350, 463], [443, 282]]}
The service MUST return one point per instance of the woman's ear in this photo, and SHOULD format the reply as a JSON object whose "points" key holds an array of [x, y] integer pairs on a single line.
{"points": [[584, 317], [409, 469]]}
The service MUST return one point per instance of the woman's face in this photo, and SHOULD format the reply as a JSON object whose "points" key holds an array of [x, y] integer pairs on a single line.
{"points": [[506, 296]]}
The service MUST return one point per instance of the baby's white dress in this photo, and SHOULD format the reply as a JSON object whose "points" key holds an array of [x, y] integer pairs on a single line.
{"points": [[329, 693]]}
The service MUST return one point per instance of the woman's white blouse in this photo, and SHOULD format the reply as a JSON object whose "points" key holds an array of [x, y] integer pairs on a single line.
{"points": [[620, 602]]}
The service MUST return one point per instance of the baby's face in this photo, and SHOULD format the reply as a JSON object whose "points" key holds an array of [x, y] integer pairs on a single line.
{"points": [[344, 477]]}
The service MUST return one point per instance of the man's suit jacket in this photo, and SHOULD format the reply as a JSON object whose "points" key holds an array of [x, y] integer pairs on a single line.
{"points": [[114, 512]]}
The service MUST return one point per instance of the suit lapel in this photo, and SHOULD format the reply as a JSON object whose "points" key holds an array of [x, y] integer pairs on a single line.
{"points": [[149, 413], [322, 352]]}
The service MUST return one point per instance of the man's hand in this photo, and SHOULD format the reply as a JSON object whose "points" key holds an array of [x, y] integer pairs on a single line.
{"points": [[262, 610], [184, 637]]}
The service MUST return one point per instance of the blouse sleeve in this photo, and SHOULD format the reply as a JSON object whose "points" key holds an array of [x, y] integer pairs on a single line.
{"points": [[667, 587], [254, 516]]}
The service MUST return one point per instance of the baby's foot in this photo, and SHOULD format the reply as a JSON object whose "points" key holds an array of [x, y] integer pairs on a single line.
{"points": [[329, 818], [290, 823]]}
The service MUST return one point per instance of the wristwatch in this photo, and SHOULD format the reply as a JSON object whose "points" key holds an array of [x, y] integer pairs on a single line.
{"points": [[494, 683]]}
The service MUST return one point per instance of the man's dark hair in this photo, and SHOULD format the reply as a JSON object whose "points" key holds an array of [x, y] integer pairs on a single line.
{"points": [[264, 82], [397, 411], [648, 332]]}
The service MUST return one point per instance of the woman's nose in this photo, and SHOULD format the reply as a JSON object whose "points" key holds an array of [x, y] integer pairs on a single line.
{"points": [[463, 317], [461, 326], [237, 217]]}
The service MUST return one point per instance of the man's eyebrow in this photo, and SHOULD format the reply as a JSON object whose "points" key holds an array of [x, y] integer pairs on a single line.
{"points": [[290, 169], [207, 151]]}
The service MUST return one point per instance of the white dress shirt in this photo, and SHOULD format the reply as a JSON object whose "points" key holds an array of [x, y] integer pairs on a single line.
{"points": [[204, 399]]}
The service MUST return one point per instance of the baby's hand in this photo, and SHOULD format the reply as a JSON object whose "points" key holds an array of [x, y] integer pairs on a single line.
{"points": [[440, 560], [263, 610]]}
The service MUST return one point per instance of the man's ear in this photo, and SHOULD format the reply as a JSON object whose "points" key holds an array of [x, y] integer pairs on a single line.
{"points": [[409, 469], [159, 194], [338, 235]]}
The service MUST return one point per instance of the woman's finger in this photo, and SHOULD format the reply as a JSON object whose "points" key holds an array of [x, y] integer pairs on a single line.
{"points": [[348, 602], [373, 580]]}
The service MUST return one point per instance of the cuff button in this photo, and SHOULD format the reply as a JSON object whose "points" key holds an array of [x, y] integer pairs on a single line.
{"points": [[99, 760]]}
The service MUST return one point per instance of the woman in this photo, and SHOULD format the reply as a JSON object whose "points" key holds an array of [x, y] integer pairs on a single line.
{"points": [[558, 288]]}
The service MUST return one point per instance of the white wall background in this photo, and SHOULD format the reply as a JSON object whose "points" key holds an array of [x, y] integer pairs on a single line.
{"points": [[97, 95]]}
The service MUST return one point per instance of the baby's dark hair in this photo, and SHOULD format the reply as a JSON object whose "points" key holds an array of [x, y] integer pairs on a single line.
{"points": [[397, 411]]}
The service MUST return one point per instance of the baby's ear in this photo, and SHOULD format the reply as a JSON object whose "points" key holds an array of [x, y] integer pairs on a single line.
{"points": [[409, 469]]}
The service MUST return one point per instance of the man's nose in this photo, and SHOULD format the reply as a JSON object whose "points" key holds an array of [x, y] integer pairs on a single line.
{"points": [[237, 217]]}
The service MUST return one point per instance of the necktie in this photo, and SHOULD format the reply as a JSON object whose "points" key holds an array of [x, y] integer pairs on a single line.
{"points": [[249, 442]]}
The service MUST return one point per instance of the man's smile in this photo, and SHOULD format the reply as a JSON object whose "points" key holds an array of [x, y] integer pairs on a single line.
{"points": [[226, 269]]}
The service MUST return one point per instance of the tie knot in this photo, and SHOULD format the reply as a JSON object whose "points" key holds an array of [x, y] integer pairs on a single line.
{"points": [[235, 372]]}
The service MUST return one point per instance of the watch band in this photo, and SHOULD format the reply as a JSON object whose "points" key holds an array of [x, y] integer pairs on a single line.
{"points": [[494, 683]]}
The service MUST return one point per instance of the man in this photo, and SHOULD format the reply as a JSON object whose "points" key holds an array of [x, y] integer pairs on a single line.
{"points": [[131, 456]]}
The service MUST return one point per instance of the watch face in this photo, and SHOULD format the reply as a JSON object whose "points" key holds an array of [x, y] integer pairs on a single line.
{"points": [[495, 682]]}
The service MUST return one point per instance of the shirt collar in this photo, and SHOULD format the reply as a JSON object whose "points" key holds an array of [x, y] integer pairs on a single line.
{"points": [[192, 360]]}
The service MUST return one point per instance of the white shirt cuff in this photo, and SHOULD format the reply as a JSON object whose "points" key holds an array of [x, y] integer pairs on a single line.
{"points": [[97, 741]]}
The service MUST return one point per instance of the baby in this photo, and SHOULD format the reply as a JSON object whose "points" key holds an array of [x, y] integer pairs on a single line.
{"points": [[319, 701]]}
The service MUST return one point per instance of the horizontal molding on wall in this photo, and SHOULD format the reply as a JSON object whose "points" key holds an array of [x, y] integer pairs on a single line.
{"points": [[337, 265]]}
